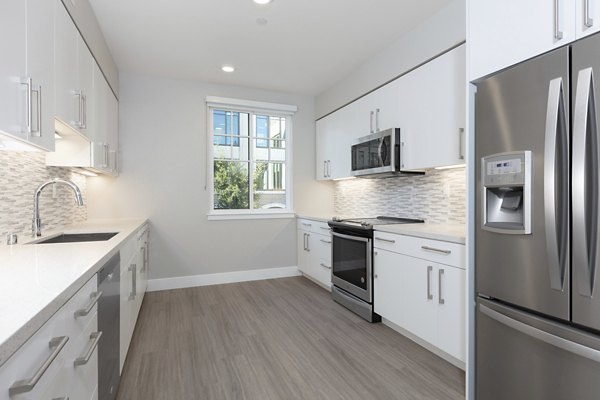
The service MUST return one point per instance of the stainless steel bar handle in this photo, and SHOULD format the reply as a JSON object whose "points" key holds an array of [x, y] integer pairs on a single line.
{"points": [[304, 241], [554, 183], [371, 122], [28, 104], [429, 270], [325, 169], [79, 122], [325, 241], [546, 337], [461, 143], [38, 129], [26, 385], [325, 228], [436, 250], [106, 155], [377, 120], [61, 398], [402, 154], [147, 269], [440, 298], [325, 266], [558, 35], [587, 20], [133, 269], [143, 248], [83, 99], [95, 296], [584, 184], [306, 224], [95, 338], [308, 242], [385, 240]]}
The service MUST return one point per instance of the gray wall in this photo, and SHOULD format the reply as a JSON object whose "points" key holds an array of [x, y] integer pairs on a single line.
{"points": [[163, 165], [440, 32]]}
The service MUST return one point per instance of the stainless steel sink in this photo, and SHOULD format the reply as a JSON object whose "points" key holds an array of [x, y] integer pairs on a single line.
{"points": [[78, 237]]}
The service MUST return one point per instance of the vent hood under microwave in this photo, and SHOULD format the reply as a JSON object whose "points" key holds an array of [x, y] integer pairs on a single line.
{"points": [[379, 156]]}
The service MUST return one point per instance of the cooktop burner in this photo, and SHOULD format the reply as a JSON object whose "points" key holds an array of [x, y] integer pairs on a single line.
{"points": [[368, 223]]}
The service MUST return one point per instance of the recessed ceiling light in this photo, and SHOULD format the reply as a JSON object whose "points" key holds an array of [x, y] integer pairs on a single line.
{"points": [[227, 68], [263, 1]]}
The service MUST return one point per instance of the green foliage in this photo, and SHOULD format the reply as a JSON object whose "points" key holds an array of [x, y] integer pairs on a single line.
{"points": [[231, 185]]}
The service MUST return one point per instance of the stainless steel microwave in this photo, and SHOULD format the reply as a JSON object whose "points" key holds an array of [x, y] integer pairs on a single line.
{"points": [[378, 155]]}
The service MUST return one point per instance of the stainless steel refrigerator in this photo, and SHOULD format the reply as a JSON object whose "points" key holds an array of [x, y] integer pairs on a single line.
{"points": [[537, 240]]}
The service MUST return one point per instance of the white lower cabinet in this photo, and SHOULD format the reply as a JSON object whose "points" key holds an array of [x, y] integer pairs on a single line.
{"points": [[61, 359], [423, 297], [134, 279], [314, 250]]}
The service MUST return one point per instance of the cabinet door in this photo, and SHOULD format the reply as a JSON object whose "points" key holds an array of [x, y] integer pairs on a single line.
{"points": [[451, 293], [67, 102], [13, 15], [126, 308], [388, 274], [383, 107], [324, 132], [321, 258], [503, 33], [40, 68], [88, 73], [113, 133], [418, 294], [587, 17], [434, 89], [303, 259], [100, 124]]}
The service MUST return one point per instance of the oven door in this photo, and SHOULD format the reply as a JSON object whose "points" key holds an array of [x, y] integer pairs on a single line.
{"points": [[352, 265]]}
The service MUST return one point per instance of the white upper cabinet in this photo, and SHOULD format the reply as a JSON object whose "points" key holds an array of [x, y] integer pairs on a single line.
{"points": [[26, 71], [431, 112], [335, 134], [587, 17], [503, 33], [105, 128], [74, 74]]}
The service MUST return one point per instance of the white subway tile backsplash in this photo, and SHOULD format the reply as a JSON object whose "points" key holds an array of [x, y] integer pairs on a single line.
{"points": [[22, 173], [438, 196]]}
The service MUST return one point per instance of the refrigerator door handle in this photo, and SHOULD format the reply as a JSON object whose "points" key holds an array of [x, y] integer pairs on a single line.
{"points": [[538, 334], [556, 184], [585, 184]]}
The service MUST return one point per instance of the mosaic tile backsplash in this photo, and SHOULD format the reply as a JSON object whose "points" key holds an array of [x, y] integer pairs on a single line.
{"points": [[438, 196], [22, 173]]}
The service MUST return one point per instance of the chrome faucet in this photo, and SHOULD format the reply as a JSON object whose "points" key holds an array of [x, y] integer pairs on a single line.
{"points": [[36, 229]]}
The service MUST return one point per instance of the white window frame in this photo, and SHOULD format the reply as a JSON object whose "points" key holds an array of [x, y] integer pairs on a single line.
{"points": [[255, 107]]}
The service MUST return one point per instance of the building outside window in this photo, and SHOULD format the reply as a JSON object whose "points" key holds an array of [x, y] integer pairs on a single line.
{"points": [[250, 160]]}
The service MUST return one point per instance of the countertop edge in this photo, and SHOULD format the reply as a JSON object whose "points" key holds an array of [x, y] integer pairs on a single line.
{"points": [[433, 235]]}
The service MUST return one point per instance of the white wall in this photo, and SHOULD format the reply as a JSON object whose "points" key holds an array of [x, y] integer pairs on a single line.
{"points": [[163, 167], [443, 30]]}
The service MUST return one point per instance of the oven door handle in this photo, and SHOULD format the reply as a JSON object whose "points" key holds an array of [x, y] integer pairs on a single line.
{"points": [[350, 237]]}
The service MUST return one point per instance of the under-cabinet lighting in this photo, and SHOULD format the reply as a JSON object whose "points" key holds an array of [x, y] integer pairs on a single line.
{"points": [[263, 2], [345, 179], [451, 166], [13, 143], [57, 136], [85, 172]]}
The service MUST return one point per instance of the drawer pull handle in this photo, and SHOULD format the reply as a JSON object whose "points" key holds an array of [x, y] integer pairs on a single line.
{"points": [[385, 240], [305, 224], [95, 337], [95, 296], [26, 385], [325, 228], [61, 398], [429, 270], [133, 270], [325, 266], [436, 250], [326, 241]]}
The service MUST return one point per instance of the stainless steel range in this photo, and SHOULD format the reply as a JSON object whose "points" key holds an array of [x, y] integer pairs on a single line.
{"points": [[352, 262]]}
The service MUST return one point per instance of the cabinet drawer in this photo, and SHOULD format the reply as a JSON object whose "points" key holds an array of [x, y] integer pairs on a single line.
{"points": [[313, 226], [44, 353], [434, 250], [82, 307], [85, 351]]}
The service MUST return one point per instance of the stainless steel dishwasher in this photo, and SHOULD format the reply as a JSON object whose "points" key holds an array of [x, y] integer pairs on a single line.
{"points": [[108, 324]]}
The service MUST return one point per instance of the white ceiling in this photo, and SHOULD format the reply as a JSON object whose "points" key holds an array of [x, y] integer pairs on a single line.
{"points": [[305, 47]]}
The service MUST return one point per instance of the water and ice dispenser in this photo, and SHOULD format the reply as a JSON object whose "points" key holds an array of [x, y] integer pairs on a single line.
{"points": [[506, 183]]}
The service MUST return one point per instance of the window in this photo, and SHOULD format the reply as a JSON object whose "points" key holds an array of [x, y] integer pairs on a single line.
{"points": [[249, 168]]}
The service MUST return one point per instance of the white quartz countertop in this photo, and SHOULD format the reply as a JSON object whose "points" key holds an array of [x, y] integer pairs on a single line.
{"points": [[453, 233], [36, 280], [316, 217]]}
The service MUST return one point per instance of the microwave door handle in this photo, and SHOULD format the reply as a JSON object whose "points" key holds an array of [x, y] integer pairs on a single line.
{"points": [[584, 183], [380, 152], [556, 184]]}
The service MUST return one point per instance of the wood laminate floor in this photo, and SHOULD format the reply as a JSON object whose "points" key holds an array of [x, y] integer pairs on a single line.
{"points": [[279, 339]]}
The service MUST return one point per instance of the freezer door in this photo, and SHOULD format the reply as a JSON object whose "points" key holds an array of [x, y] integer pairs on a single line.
{"points": [[585, 175], [525, 108], [521, 356]]}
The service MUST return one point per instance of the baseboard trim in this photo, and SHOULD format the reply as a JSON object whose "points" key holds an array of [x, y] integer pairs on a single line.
{"points": [[438, 352], [180, 282]]}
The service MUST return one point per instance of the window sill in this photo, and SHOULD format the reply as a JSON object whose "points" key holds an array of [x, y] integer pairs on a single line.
{"points": [[224, 217]]}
